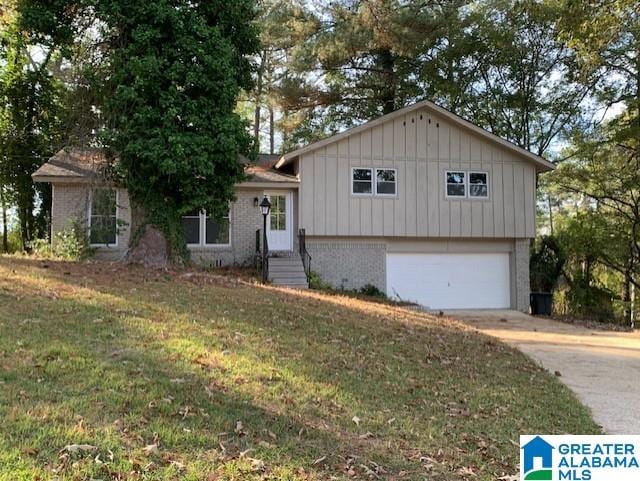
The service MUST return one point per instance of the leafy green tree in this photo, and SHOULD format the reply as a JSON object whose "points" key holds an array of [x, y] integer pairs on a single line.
{"points": [[606, 37], [284, 26], [523, 86], [168, 93], [499, 63], [362, 59], [29, 123], [605, 174]]}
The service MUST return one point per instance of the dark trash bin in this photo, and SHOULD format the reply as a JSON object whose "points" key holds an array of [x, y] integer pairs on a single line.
{"points": [[541, 303]]}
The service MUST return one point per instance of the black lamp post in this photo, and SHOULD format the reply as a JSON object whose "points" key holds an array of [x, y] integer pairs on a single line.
{"points": [[265, 208]]}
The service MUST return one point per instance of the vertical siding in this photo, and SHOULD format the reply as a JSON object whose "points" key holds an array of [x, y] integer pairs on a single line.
{"points": [[422, 147]]}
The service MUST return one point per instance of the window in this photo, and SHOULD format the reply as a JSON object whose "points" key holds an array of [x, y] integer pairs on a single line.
{"points": [[456, 186], [191, 227], [278, 212], [362, 181], [102, 218], [217, 232], [203, 230], [386, 181], [478, 185]]}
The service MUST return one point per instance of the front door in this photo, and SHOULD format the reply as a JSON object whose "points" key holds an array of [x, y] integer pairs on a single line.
{"points": [[279, 221]]}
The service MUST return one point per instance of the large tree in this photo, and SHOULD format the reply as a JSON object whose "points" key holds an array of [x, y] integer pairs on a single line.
{"points": [[605, 174], [362, 59], [521, 79], [29, 122], [499, 63], [168, 98]]}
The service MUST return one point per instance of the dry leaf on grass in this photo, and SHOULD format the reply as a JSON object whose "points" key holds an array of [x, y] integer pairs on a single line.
{"points": [[319, 460], [78, 448], [150, 449]]}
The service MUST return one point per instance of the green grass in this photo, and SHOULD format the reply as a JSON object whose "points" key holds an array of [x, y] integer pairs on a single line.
{"points": [[227, 380]]}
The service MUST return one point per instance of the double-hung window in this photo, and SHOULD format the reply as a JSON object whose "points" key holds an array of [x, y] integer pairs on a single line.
{"points": [[217, 232], [362, 181], [456, 184], [385, 181], [191, 228], [478, 185], [102, 217], [203, 230]]}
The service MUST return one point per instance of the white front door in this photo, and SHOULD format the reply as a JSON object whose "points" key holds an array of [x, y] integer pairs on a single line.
{"points": [[279, 221]]}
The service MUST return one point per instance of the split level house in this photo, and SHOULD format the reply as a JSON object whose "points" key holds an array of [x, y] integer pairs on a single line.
{"points": [[419, 203]]}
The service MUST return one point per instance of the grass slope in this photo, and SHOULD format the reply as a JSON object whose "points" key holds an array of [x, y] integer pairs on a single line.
{"points": [[113, 372]]}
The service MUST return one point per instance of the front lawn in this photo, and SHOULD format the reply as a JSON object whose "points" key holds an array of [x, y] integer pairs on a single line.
{"points": [[113, 372]]}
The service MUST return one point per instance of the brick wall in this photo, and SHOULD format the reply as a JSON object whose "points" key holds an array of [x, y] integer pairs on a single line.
{"points": [[521, 267], [348, 264], [352, 263], [245, 219], [71, 201]]}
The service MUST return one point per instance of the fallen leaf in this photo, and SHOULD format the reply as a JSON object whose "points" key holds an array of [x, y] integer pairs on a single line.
{"points": [[319, 460], [76, 448], [239, 430], [150, 449]]}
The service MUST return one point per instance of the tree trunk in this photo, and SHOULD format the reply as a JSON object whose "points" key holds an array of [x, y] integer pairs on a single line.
{"points": [[632, 318], [5, 237], [388, 90], [257, 113], [148, 245], [550, 215], [272, 144], [25, 215], [626, 298]]}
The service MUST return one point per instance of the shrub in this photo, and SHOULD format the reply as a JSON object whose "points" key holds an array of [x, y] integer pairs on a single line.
{"points": [[72, 243], [585, 302], [316, 282], [372, 291], [546, 264], [41, 248]]}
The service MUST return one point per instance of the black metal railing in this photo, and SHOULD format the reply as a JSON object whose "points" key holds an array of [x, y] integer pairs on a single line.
{"points": [[304, 253], [262, 257]]}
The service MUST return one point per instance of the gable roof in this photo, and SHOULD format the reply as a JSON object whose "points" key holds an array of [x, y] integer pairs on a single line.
{"points": [[541, 163], [73, 164], [81, 165]]}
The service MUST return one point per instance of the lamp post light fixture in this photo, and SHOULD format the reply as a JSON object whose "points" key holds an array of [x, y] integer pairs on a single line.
{"points": [[265, 208]]}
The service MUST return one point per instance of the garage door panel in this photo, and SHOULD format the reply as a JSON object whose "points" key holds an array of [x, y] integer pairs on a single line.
{"points": [[450, 281]]}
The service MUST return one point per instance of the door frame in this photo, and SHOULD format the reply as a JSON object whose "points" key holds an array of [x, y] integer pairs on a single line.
{"points": [[288, 217]]}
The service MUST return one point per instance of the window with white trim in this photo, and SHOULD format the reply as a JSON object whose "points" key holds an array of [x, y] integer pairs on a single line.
{"points": [[478, 185], [217, 232], [201, 229], [278, 212], [362, 181], [102, 217], [191, 228], [385, 181], [456, 183]]}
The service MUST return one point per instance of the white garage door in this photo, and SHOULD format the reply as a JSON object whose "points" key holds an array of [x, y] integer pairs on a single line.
{"points": [[450, 281]]}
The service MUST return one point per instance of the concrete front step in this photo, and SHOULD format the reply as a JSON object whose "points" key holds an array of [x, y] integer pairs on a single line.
{"points": [[287, 272]]}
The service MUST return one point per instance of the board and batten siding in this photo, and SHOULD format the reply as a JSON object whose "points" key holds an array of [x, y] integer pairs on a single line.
{"points": [[421, 146]]}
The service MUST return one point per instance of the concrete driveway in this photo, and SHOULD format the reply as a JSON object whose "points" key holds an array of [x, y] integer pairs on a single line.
{"points": [[601, 367]]}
